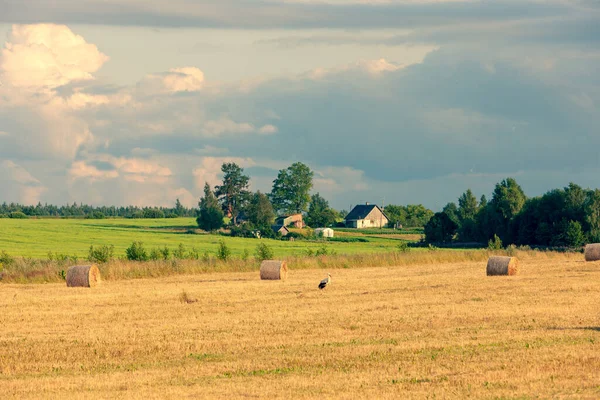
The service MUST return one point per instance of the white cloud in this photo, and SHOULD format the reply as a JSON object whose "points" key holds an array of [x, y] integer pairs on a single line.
{"points": [[47, 56], [268, 129], [186, 79], [373, 67]]}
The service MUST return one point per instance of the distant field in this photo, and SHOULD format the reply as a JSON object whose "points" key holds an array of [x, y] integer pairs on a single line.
{"points": [[415, 331], [36, 237]]}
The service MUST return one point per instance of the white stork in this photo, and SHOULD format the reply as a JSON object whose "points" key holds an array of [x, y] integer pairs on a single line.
{"points": [[325, 282]]}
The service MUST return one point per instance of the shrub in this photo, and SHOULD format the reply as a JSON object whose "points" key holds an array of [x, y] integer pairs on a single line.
{"points": [[495, 243], [179, 252], [137, 215], [3, 216], [136, 252], [294, 235], [17, 215], [403, 247], [101, 254], [153, 213], [263, 252], [97, 215], [244, 231], [6, 258], [223, 252], [324, 251], [194, 254], [245, 255]]}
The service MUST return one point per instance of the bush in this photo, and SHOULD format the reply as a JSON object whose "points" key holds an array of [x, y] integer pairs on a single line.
{"points": [[403, 247], [6, 258], [294, 235], [97, 215], [263, 252], [136, 252], [153, 213], [324, 251], [244, 231], [495, 243], [245, 255], [223, 252], [3, 216], [17, 215], [137, 215], [101, 254], [160, 254], [179, 253]]}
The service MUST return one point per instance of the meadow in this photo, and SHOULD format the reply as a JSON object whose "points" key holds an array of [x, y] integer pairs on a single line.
{"points": [[422, 329], [35, 238]]}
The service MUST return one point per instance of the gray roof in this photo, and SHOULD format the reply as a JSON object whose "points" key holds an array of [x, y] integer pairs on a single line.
{"points": [[361, 211]]}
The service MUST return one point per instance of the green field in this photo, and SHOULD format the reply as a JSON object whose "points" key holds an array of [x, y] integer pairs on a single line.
{"points": [[37, 237]]}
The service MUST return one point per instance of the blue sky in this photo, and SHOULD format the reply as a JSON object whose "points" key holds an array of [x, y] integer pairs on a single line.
{"points": [[409, 101]]}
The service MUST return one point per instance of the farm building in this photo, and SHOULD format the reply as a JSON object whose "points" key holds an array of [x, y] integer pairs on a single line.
{"points": [[294, 220], [324, 232], [281, 229], [366, 216]]}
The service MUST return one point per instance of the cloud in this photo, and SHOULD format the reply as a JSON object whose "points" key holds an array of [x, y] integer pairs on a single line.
{"points": [[47, 56], [18, 184], [263, 14], [186, 79], [373, 67]]}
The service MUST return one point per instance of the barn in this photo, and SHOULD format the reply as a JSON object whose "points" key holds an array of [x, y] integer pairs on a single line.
{"points": [[366, 216]]}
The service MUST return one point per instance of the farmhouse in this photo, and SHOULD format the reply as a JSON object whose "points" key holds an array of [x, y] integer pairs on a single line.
{"points": [[324, 232], [294, 220], [366, 216]]}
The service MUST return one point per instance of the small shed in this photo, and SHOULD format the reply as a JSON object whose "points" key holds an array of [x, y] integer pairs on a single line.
{"points": [[324, 232], [278, 228]]}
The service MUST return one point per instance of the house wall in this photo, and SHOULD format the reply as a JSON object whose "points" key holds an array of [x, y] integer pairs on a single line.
{"points": [[375, 219]]}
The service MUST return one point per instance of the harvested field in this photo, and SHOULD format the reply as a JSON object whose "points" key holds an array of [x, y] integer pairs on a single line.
{"points": [[415, 331]]}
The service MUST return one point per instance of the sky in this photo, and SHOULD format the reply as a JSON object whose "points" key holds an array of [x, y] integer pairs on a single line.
{"points": [[117, 102]]}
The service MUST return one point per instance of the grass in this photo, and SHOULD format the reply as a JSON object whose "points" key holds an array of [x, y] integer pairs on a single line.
{"points": [[23, 270], [37, 237], [418, 330]]}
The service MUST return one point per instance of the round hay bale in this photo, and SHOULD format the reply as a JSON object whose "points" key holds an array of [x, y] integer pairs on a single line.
{"points": [[498, 265], [273, 270], [592, 252], [83, 276]]}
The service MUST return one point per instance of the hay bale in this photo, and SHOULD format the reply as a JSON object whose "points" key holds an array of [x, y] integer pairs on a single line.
{"points": [[83, 276], [498, 265], [273, 270], [592, 252]]}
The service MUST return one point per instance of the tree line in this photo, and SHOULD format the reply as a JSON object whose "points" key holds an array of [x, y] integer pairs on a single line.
{"points": [[15, 210], [567, 217]]}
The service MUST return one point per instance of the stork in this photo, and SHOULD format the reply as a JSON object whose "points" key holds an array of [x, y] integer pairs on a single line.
{"points": [[325, 282]]}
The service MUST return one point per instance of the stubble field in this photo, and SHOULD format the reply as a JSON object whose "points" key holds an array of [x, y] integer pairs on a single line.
{"points": [[416, 331]]}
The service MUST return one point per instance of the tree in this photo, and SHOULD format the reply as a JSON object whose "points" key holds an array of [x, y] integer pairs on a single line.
{"points": [[507, 201], [319, 213], [440, 228], [210, 216], [467, 211], [451, 211], [233, 193], [290, 193], [260, 210], [179, 209], [467, 206]]}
